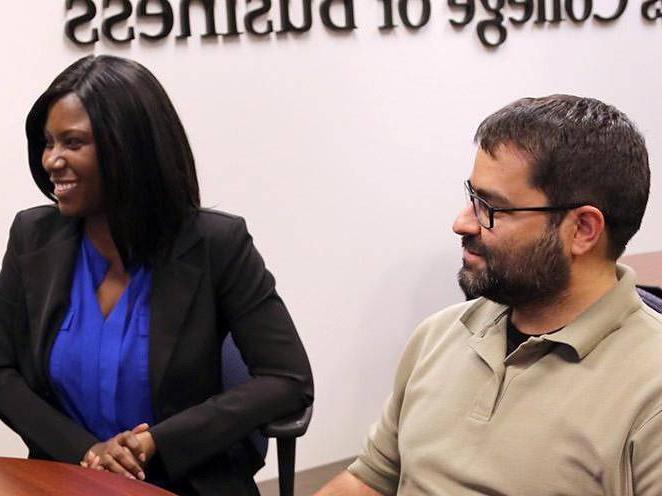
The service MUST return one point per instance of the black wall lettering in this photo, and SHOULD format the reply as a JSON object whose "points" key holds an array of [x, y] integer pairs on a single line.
{"points": [[403, 9], [526, 14], [253, 15], [469, 11], [297, 16], [325, 15], [286, 24], [570, 10], [121, 16], [72, 25], [185, 18], [542, 12], [388, 15], [622, 4], [646, 10], [231, 17], [496, 23], [164, 14]]}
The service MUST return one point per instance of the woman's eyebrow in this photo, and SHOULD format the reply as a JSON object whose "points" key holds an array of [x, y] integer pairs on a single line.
{"points": [[66, 132]]}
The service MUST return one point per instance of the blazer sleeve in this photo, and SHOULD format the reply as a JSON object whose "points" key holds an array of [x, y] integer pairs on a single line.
{"points": [[21, 408], [261, 326]]}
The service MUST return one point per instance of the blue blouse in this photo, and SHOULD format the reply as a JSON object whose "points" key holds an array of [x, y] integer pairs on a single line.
{"points": [[99, 366]]}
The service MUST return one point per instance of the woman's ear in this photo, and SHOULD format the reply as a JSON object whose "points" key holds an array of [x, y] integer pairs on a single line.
{"points": [[588, 226]]}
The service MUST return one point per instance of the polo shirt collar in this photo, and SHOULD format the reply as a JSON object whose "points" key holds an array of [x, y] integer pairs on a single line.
{"points": [[602, 317], [481, 315], [586, 331]]}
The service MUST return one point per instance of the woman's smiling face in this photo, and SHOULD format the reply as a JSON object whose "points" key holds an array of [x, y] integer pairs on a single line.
{"points": [[70, 158]]}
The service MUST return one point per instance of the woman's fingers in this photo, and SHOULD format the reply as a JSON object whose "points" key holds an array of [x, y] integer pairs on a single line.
{"points": [[94, 463], [140, 428], [111, 464], [123, 454], [87, 459], [129, 440], [123, 459]]}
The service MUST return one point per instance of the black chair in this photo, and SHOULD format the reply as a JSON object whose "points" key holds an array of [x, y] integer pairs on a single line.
{"points": [[285, 431], [651, 296]]}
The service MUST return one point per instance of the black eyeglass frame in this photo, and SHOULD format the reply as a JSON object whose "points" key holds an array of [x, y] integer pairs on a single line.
{"points": [[472, 197]]}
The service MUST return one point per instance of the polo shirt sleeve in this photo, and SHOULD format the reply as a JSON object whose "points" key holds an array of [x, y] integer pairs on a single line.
{"points": [[378, 465], [646, 457]]}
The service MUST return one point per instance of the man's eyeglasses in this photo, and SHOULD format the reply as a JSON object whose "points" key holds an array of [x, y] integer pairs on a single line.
{"points": [[484, 212]]}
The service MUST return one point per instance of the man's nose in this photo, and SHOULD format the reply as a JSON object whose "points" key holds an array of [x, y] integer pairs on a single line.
{"points": [[466, 222]]}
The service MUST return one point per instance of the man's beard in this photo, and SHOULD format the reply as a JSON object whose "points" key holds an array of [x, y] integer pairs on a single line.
{"points": [[536, 273]]}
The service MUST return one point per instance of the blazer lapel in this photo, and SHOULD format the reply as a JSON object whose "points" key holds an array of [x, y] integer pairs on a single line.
{"points": [[174, 285], [47, 274]]}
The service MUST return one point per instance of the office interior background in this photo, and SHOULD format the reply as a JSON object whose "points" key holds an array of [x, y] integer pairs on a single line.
{"points": [[346, 153]]}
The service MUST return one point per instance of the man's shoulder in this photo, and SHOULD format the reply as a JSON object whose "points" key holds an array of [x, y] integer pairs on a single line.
{"points": [[447, 329], [441, 318], [460, 320], [645, 322], [643, 330], [652, 317], [474, 315]]}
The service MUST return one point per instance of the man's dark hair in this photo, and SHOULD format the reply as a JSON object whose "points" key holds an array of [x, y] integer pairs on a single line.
{"points": [[581, 150], [148, 176]]}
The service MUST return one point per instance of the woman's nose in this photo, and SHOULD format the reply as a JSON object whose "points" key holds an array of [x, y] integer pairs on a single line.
{"points": [[53, 160]]}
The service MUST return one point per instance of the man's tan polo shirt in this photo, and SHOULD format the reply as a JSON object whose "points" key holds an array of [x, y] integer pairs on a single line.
{"points": [[574, 413]]}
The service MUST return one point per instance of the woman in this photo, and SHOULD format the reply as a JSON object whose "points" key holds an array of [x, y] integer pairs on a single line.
{"points": [[114, 302]]}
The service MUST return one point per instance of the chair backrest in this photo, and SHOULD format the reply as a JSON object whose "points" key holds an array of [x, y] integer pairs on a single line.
{"points": [[285, 430], [648, 267], [649, 295], [233, 373]]}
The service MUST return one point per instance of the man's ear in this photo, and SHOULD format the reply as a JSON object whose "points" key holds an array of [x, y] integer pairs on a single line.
{"points": [[588, 226]]}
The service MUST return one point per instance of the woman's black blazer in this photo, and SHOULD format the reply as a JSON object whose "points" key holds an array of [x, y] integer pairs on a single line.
{"points": [[212, 282]]}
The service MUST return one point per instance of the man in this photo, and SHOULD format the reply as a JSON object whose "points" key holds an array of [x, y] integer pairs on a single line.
{"points": [[550, 383]]}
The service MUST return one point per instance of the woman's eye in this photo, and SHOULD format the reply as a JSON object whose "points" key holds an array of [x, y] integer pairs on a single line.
{"points": [[74, 143]]}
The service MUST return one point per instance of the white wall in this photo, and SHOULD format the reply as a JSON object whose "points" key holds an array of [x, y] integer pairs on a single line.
{"points": [[346, 153]]}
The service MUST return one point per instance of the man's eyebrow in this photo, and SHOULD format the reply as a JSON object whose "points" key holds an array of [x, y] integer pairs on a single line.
{"points": [[492, 196]]}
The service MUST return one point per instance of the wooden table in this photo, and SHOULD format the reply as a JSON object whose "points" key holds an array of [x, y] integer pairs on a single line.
{"points": [[19, 477], [648, 267]]}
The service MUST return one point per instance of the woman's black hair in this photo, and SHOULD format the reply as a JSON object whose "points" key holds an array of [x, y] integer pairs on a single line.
{"points": [[145, 161]]}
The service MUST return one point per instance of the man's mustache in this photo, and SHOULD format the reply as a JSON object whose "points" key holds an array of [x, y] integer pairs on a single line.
{"points": [[472, 244]]}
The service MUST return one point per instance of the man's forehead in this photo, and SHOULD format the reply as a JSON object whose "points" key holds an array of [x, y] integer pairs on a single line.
{"points": [[505, 155], [503, 174]]}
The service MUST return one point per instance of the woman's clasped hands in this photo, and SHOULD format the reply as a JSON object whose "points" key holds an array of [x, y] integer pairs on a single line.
{"points": [[126, 453]]}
